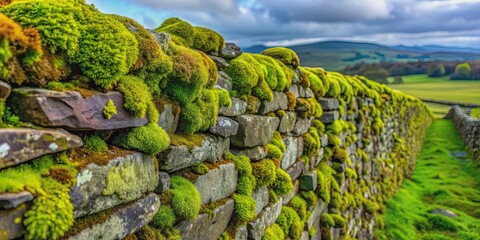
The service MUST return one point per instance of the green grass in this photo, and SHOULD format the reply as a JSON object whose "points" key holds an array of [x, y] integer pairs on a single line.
{"points": [[475, 113], [421, 78], [439, 181]]}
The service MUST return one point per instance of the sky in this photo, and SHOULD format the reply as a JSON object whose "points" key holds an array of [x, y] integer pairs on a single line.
{"points": [[289, 22]]}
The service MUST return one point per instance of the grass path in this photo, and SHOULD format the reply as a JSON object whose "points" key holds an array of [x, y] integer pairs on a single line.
{"points": [[440, 181]]}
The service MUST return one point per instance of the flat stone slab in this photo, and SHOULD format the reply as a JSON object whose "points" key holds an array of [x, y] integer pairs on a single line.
{"points": [[287, 122], [329, 103], [132, 175], [224, 127], [254, 154], [178, 157], [13, 200], [267, 217], [254, 130], [207, 227], [19, 145], [11, 220], [302, 125], [290, 155], [218, 183], [444, 212], [230, 50], [71, 110], [238, 107], [330, 116], [279, 102], [128, 219], [261, 197]]}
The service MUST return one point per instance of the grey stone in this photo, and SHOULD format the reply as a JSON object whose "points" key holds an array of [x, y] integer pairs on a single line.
{"points": [[261, 197], [163, 182], [238, 107], [207, 227], [444, 212], [220, 62], [5, 90], [254, 130], [316, 212], [329, 103], [230, 50], [295, 90], [296, 170], [300, 146], [224, 127], [302, 125], [224, 81], [241, 233], [287, 122], [134, 174], [163, 39], [11, 220], [329, 116], [459, 154], [168, 118], [71, 110], [305, 236], [279, 102], [308, 181], [288, 197], [178, 157], [126, 220], [218, 183], [267, 217], [300, 91], [254, 154], [324, 140], [19, 145], [13, 200], [290, 155]]}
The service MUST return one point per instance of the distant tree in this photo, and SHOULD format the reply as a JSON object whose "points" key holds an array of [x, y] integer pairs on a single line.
{"points": [[436, 70], [397, 79], [462, 72], [377, 74]]}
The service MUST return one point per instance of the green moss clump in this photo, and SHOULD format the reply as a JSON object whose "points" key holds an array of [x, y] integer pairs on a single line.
{"points": [[300, 206], [186, 200], [371, 206], [200, 168], [201, 114], [309, 197], [264, 172], [244, 207], [273, 232], [273, 151], [282, 183], [244, 77], [95, 143], [180, 28], [110, 109], [246, 185], [285, 55], [341, 154], [164, 218], [150, 139], [290, 222], [207, 40], [340, 221], [326, 220], [292, 101], [136, 95]]}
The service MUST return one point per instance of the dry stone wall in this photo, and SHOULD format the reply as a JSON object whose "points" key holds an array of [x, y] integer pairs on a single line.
{"points": [[119, 132], [468, 127]]}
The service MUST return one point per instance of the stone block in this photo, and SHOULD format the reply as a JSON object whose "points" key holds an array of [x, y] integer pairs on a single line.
{"points": [[254, 130], [296, 170], [163, 182], [261, 197], [224, 127], [308, 181], [302, 125], [290, 155], [11, 226], [316, 212], [5, 90], [254, 154], [13, 200], [329, 104], [330, 116], [267, 217], [168, 118], [279, 102], [218, 183], [238, 107], [287, 122]]}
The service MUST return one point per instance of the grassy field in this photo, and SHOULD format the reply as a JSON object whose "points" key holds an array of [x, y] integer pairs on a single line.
{"points": [[441, 88], [440, 181]]}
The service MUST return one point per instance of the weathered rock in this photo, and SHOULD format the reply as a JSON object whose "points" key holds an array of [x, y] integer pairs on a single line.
{"points": [[241, 232], [267, 217], [13, 200], [329, 103], [11, 220], [296, 170], [168, 118], [302, 125], [220, 62], [261, 197], [218, 183], [290, 155], [300, 91], [254, 154], [308, 181], [122, 180], [18, 145], [178, 157], [279, 102], [238, 107], [5, 90], [288, 197], [71, 110], [207, 227], [163, 182], [126, 220], [305, 236], [300, 146], [444, 212], [316, 212], [224, 81], [324, 140], [163, 39], [330, 116], [254, 130], [224, 127], [287, 122], [230, 50]]}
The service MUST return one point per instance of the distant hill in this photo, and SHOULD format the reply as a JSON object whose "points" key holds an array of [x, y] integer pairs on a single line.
{"points": [[334, 55]]}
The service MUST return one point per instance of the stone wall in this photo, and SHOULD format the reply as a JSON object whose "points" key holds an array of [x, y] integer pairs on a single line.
{"points": [[468, 127], [188, 139]]}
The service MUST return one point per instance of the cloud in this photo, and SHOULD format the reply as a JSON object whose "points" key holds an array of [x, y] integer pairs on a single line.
{"points": [[189, 5]]}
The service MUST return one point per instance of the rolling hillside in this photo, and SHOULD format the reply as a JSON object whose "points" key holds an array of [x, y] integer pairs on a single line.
{"points": [[333, 55]]}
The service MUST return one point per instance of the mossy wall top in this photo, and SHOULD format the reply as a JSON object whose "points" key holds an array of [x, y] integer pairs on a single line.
{"points": [[255, 145]]}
